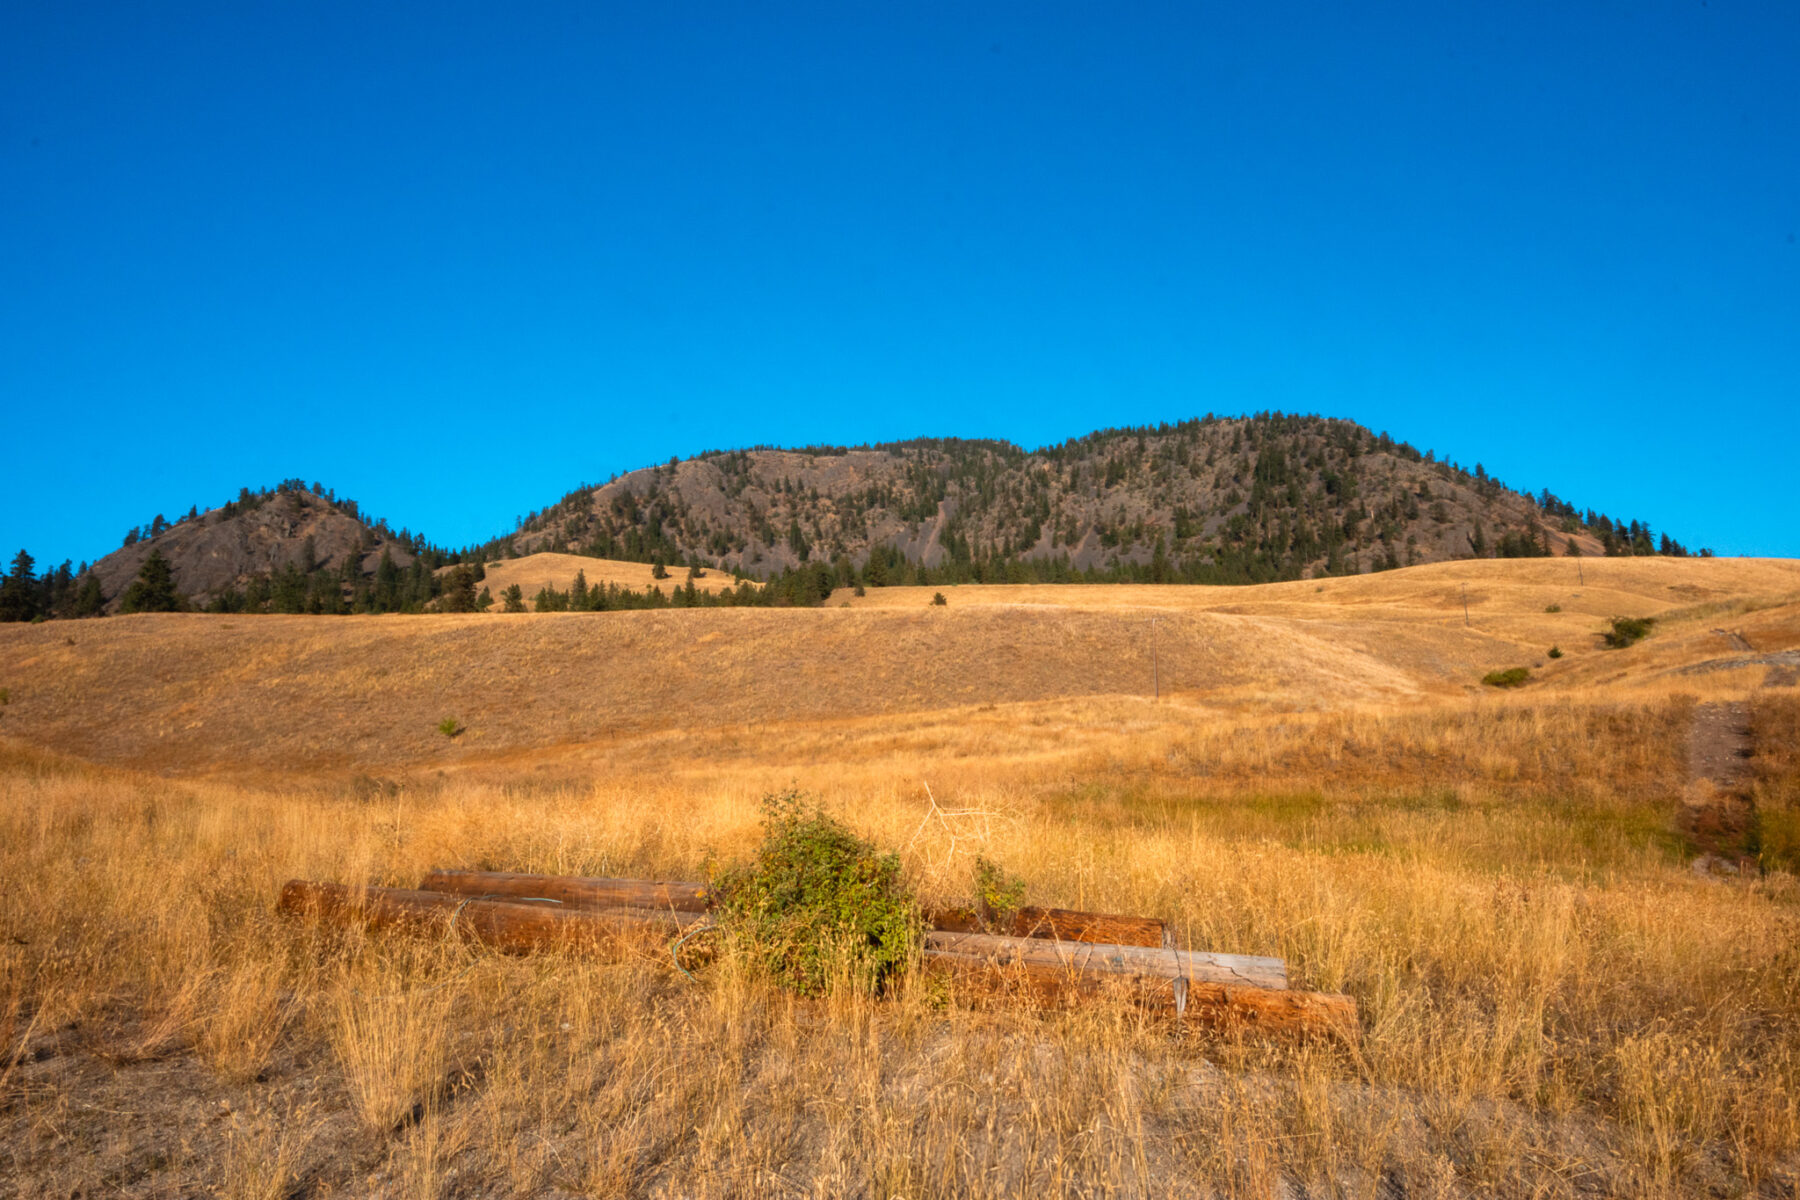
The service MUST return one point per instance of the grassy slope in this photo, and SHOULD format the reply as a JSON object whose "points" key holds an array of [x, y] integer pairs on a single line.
{"points": [[534, 572], [329, 694], [1553, 1001]]}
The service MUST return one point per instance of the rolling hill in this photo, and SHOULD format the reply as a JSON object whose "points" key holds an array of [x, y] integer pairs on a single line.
{"points": [[1213, 500], [1234, 500], [317, 695]]}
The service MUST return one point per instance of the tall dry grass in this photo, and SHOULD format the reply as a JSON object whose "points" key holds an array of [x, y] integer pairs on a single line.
{"points": [[1553, 1003]]}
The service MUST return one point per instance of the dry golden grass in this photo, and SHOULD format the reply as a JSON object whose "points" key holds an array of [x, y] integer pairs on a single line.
{"points": [[535, 572], [1554, 1003]]}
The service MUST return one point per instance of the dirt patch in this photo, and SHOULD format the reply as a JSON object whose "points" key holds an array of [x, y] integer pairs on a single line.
{"points": [[1718, 815]]}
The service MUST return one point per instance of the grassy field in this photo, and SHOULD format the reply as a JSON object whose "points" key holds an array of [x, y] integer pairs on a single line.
{"points": [[1554, 1001], [534, 572]]}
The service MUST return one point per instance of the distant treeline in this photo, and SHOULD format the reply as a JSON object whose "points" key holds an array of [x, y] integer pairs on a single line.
{"points": [[61, 594]]}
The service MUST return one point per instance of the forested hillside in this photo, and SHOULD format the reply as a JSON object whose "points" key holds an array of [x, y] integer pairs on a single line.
{"points": [[1212, 500]]}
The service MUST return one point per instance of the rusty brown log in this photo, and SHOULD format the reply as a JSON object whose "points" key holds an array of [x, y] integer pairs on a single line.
{"points": [[503, 924], [573, 890], [1061, 924], [1057, 924], [1140, 961], [1222, 1007]]}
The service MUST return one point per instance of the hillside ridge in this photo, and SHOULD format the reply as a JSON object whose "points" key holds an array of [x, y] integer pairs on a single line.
{"points": [[1216, 500], [1251, 499]]}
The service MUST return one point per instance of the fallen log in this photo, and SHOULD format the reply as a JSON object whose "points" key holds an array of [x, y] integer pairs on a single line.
{"points": [[1139, 961], [502, 924], [1223, 1007], [574, 890], [1061, 924]]}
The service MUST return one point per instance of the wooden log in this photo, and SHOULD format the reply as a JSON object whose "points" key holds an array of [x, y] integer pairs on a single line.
{"points": [[1061, 924], [1192, 965], [503, 924], [1223, 1007], [574, 890]]}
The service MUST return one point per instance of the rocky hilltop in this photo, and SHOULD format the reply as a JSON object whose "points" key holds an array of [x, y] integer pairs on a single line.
{"points": [[1225, 500], [1213, 500], [259, 536]]}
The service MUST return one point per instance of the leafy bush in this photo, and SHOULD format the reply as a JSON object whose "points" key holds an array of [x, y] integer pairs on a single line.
{"points": [[448, 727], [1554, 608], [1627, 630], [998, 894], [1509, 678], [938, 598], [1556, 652], [819, 904]]}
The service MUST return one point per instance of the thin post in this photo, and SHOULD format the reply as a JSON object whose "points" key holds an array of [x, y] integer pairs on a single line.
{"points": [[1465, 596]]}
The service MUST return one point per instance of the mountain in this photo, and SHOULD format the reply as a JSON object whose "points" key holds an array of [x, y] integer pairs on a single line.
{"points": [[1210, 500], [261, 540], [1214, 500]]}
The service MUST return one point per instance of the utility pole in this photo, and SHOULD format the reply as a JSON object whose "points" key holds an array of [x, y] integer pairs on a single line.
{"points": [[1465, 596]]}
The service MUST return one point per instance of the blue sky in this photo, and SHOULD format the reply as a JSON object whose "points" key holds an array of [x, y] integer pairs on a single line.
{"points": [[454, 260]]}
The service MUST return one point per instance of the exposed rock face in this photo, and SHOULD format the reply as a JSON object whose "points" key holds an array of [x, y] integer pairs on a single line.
{"points": [[224, 547], [1259, 497]]}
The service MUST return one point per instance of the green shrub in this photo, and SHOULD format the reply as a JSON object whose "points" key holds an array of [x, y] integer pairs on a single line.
{"points": [[448, 727], [1776, 840], [1554, 608], [1511, 677], [1556, 652], [819, 904], [938, 598], [998, 894], [1626, 630]]}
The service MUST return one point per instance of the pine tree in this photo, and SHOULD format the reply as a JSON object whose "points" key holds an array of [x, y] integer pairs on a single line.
{"points": [[89, 602], [18, 591], [387, 585], [154, 588], [458, 593], [1159, 562]]}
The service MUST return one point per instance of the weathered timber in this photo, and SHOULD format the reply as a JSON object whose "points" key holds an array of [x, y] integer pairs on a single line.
{"points": [[1061, 924], [1225, 1007], [1193, 965], [1057, 924], [503, 924], [574, 890]]}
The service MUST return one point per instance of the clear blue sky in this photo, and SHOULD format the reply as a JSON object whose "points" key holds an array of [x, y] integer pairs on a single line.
{"points": [[454, 260]]}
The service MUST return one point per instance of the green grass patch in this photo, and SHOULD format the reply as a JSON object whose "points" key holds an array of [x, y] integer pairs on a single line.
{"points": [[1512, 677]]}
